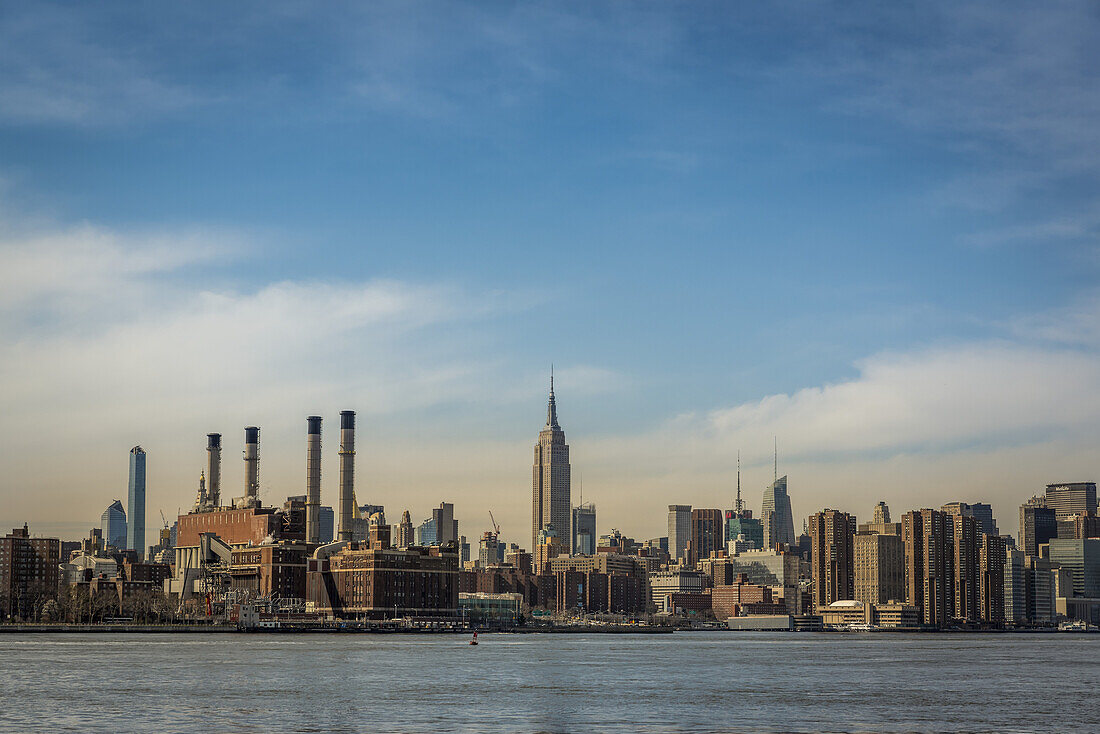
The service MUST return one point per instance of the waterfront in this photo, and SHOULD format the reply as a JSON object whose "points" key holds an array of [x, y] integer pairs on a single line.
{"points": [[709, 681]]}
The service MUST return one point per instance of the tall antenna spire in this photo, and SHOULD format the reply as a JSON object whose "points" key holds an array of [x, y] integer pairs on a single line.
{"points": [[551, 407], [775, 470], [738, 505]]}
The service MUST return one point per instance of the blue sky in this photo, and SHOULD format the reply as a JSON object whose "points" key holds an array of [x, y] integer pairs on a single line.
{"points": [[869, 230]]}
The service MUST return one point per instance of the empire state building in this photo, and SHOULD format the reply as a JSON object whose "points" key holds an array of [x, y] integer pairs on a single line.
{"points": [[550, 502]]}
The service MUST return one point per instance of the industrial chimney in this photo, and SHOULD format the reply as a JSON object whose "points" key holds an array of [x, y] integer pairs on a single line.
{"points": [[347, 474], [251, 466], [213, 468], [313, 479]]}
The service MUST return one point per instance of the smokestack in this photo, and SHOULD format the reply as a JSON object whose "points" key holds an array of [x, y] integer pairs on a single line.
{"points": [[251, 466], [347, 473], [213, 468], [313, 479]]}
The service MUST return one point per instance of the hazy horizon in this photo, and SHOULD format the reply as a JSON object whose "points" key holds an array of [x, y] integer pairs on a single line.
{"points": [[872, 232]]}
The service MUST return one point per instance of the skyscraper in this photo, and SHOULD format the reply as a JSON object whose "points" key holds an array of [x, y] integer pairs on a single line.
{"points": [[584, 529], [966, 546], [446, 527], [927, 535], [679, 530], [776, 514], [1038, 524], [135, 529], [113, 525], [1073, 498], [980, 511], [550, 502], [832, 558], [991, 569], [405, 535], [707, 533]]}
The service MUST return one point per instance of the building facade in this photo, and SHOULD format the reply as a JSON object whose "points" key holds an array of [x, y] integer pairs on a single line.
{"points": [[550, 480], [1038, 524], [29, 572], [928, 564]]}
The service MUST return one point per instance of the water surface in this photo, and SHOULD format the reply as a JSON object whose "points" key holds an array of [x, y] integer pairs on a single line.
{"points": [[699, 682]]}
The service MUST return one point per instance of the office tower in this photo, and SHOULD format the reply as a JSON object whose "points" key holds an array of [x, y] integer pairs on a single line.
{"points": [[744, 524], [1086, 525], [446, 527], [707, 533], [965, 585], [879, 560], [1081, 557], [679, 530], [327, 520], [928, 535], [882, 513], [831, 556], [1074, 498], [135, 527], [113, 525], [1028, 589], [584, 529], [980, 511], [427, 533], [463, 549], [991, 569], [313, 479], [1038, 524], [405, 536], [550, 502], [776, 515]]}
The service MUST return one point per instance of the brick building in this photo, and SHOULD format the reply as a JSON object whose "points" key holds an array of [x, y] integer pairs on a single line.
{"points": [[29, 570]]}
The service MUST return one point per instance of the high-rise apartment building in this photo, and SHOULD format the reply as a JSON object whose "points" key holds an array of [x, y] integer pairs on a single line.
{"points": [[832, 559], [776, 515], [1073, 498], [707, 533], [488, 553], [1038, 524], [991, 570], [135, 527], [879, 560], [550, 501], [29, 571], [927, 535], [584, 529], [965, 586], [679, 530], [113, 525], [548, 546], [980, 511]]}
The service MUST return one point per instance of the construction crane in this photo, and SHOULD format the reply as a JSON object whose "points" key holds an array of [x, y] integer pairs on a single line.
{"points": [[163, 519], [496, 528]]}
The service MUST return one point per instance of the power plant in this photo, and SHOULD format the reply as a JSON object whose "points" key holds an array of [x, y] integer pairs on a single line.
{"points": [[213, 470]]}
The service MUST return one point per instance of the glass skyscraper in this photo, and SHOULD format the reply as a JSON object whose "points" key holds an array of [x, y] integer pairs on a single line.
{"points": [[776, 515], [135, 532], [113, 525]]}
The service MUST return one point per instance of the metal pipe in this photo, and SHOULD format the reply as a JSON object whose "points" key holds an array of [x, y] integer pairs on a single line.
{"points": [[213, 468], [347, 474], [313, 479]]}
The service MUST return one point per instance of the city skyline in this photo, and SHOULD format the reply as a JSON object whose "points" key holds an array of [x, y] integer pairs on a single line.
{"points": [[869, 231]]}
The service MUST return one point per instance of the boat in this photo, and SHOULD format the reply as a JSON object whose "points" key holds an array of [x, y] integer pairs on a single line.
{"points": [[474, 641]]}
